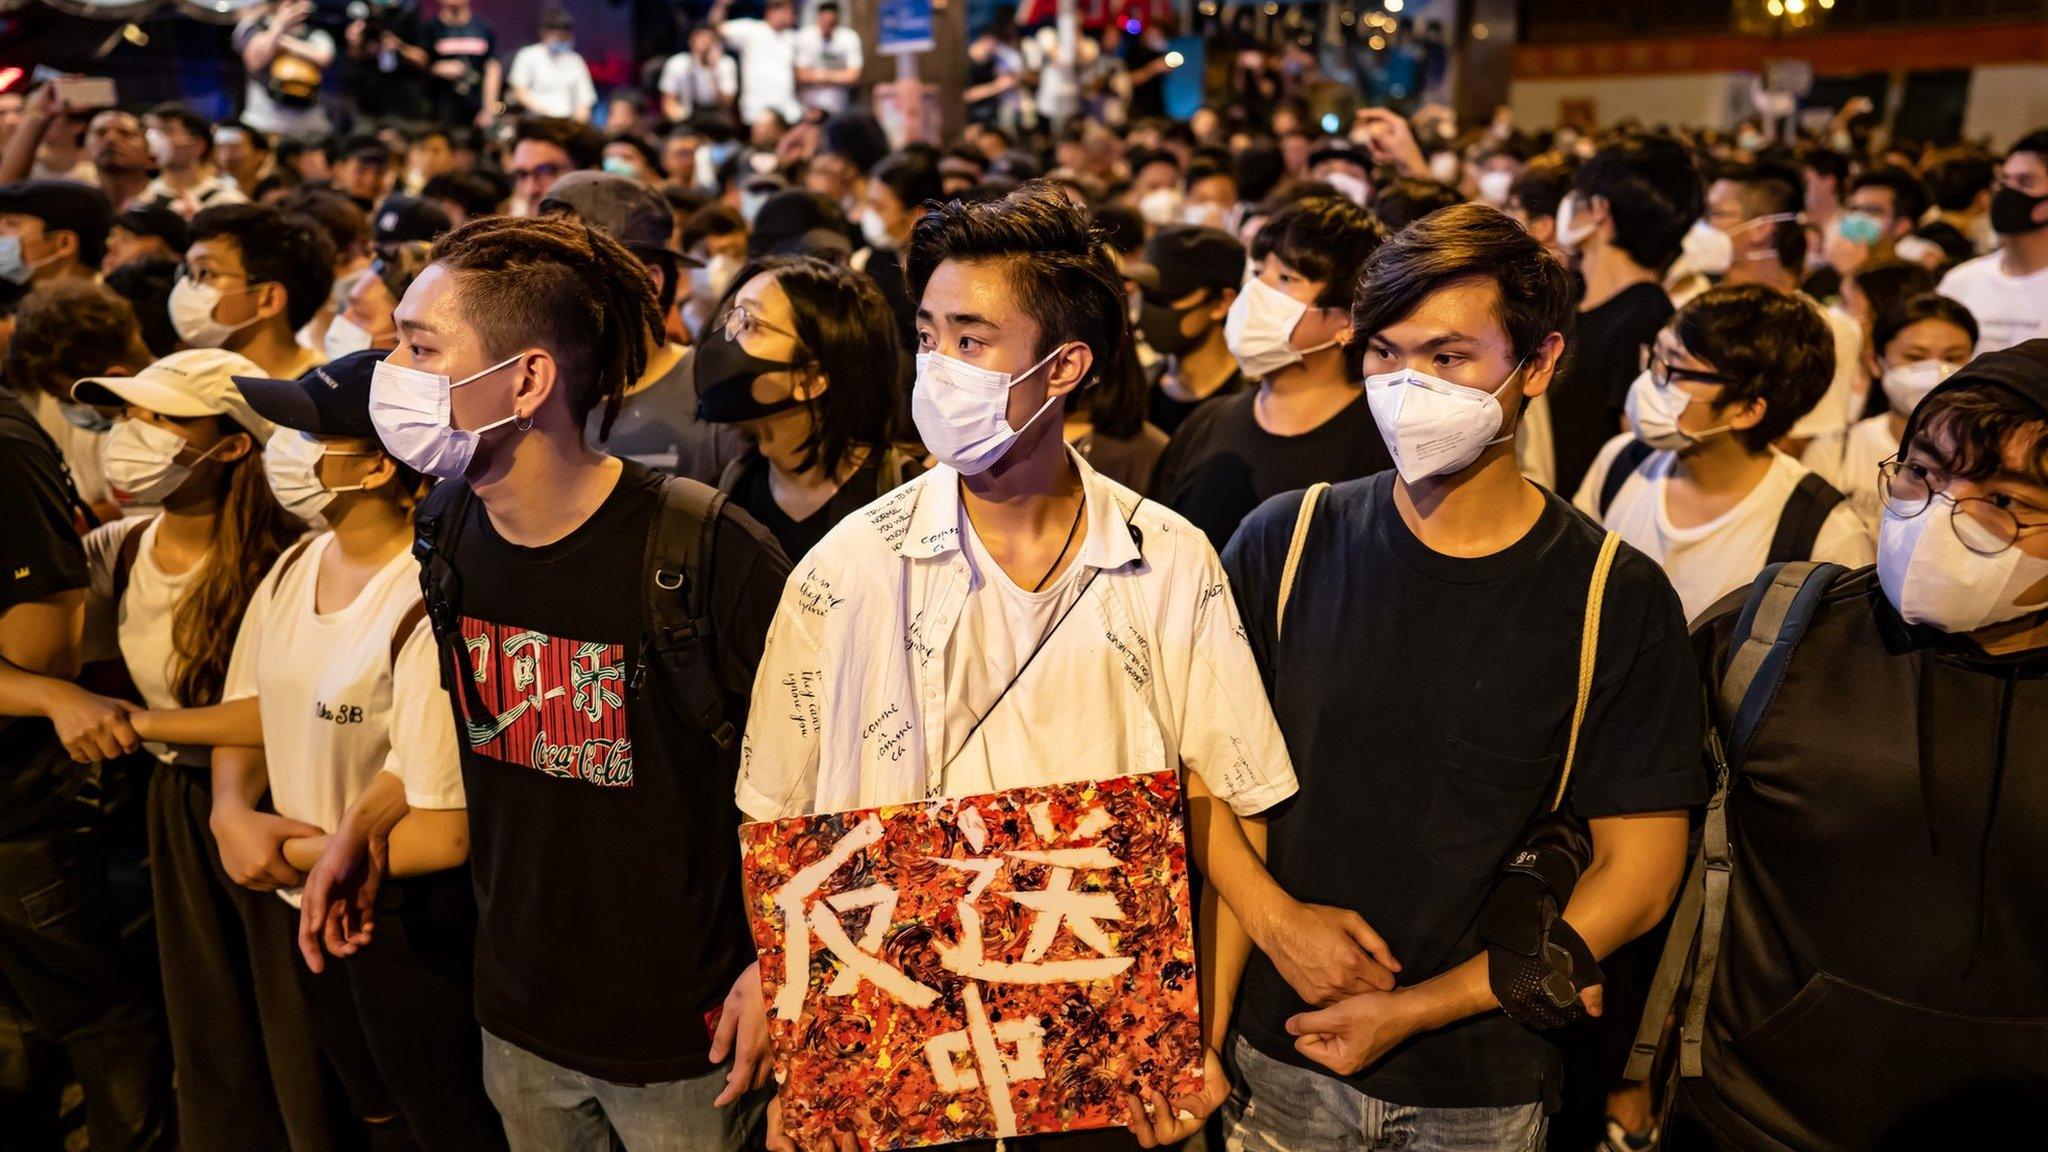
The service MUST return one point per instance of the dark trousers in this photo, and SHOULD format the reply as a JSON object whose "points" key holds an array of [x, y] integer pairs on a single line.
{"points": [[70, 991], [399, 1019], [250, 1075]]}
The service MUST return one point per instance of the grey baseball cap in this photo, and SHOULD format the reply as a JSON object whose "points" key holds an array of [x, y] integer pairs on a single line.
{"points": [[636, 215]]}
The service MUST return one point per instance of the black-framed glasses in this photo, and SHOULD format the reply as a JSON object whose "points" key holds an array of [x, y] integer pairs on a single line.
{"points": [[1664, 374], [1984, 524], [538, 171]]}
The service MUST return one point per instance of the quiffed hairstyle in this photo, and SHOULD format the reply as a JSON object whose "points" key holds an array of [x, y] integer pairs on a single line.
{"points": [[1770, 344], [1770, 189], [1653, 193], [1467, 242], [276, 249], [1326, 238], [848, 335], [555, 282], [1063, 273]]}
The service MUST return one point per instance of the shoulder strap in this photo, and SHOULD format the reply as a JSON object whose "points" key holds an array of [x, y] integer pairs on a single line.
{"points": [[1589, 651], [124, 557], [1806, 512], [291, 556], [1619, 469], [1780, 606], [436, 526], [729, 477], [681, 540], [1295, 544], [406, 624]]}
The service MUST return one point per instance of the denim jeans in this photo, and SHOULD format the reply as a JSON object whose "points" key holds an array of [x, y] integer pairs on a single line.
{"points": [[1277, 1107], [549, 1108]]}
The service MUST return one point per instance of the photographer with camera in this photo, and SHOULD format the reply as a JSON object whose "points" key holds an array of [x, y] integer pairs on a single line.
{"points": [[468, 79], [286, 58], [387, 60]]}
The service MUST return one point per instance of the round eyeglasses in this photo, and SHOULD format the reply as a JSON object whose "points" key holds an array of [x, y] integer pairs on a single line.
{"points": [[1987, 525]]}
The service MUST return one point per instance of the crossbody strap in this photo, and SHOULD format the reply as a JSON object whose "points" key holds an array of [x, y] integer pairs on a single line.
{"points": [[1302, 520], [1589, 648]]}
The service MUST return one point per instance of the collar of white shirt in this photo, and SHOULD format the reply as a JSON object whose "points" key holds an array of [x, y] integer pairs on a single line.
{"points": [[934, 528]]}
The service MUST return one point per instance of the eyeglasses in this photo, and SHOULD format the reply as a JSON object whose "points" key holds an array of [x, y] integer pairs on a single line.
{"points": [[1987, 525], [1664, 374], [742, 322], [537, 172]]}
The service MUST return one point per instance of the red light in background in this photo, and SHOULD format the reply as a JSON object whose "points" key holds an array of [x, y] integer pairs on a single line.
{"points": [[8, 77]]}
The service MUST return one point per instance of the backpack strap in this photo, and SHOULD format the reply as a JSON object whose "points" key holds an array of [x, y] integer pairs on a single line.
{"points": [[1589, 650], [125, 555], [729, 476], [1619, 469], [406, 624], [437, 525], [1780, 606], [1295, 544], [290, 557], [1805, 514], [677, 630]]}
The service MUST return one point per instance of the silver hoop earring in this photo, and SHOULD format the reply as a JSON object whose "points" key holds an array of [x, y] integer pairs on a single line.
{"points": [[523, 423]]}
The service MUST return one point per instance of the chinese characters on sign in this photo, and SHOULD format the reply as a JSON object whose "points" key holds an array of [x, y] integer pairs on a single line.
{"points": [[995, 965]]}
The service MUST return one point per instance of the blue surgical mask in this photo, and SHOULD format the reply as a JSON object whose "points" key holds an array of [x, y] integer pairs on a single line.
{"points": [[1859, 227], [620, 166], [13, 268]]}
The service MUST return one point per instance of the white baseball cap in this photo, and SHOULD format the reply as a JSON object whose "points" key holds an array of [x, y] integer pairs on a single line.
{"points": [[195, 382]]}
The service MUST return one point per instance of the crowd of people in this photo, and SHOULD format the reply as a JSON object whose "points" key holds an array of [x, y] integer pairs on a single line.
{"points": [[436, 524]]}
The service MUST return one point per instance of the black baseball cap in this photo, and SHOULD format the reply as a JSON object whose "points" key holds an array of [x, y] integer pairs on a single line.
{"points": [[1340, 148], [402, 218], [1183, 257], [62, 206], [331, 400], [154, 220]]}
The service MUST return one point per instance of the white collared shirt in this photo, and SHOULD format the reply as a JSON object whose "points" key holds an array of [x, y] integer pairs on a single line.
{"points": [[1149, 671]]}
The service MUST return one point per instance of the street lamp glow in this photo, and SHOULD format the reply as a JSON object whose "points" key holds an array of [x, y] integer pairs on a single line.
{"points": [[1774, 8], [1795, 7], [1395, 5]]}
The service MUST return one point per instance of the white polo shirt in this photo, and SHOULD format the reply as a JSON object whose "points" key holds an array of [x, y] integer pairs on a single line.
{"points": [[891, 637]]}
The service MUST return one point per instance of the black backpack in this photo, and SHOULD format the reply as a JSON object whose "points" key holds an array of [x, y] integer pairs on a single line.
{"points": [[1774, 617], [675, 573], [1799, 524]]}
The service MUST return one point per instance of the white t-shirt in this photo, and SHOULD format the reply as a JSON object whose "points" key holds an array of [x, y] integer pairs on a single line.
{"points": [[1849, 461], [698, 85], [1844, 399], [2009, 309], [138, 629], [767, 69], [336, 711], [556, 83], [840, 51], [1708, 561]]}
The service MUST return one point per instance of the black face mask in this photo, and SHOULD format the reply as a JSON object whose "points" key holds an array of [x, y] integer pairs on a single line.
{"points": [[1160, 324], [2012, 211], [725, 375]]}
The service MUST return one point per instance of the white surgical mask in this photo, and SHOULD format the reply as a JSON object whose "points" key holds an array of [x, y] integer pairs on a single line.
{"points": [[962, 412], [1653, 415], [1443, 167], [1905, 385], [1434, 427], [1203, 214], [876, 232], [159, 146], [410, 409], [1351, 186], [1494, 186], [1708, 250], [140, 460], [345, 336], [1571, 229], [1259, 329], [192, 308], [1932, 578], [291, 461], [1160, 206]]}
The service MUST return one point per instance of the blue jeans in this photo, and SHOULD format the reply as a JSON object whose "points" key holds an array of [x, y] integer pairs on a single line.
{"points": [[1277, 1107], [549, 1108]]}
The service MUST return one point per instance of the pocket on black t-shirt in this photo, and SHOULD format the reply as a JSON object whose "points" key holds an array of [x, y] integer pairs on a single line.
{"points": [[1481, 803]]}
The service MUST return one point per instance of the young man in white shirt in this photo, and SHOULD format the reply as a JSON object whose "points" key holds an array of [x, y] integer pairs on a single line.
{"points": [[944, 605], [828, 60], [181, 145], [1698, 486], [702, 79], [767, 49], [2007, 290], [549, 78]]}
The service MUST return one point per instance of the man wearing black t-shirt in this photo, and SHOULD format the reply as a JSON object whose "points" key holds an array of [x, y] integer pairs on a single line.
{"points": [[1629, 207], [468, 77], [1425, 685], [61, 967], [613, 964], [1307, 420], [1187, 281]]}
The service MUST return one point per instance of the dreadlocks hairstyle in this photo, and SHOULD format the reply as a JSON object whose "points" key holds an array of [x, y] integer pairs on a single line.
{"points": [[1064, 275], [555, 282]]}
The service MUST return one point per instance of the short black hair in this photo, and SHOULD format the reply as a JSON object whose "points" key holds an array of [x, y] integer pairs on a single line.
{"points": [[1543, 184], [2035, 142], [1773, 189], [1959, 178], [478, 191], [1982, 424], [199, 126], [1771, 345], [828, 6], [146, 284], [1886, 282], [584, 144], [1653, 192], [1458, 244], [1401, 202], [913, 178], [1061, 269], [1120, 226], [1326, 238], [1909, 195], [649, 155], [277, 248], [1903, 314], [1826, 162]]}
